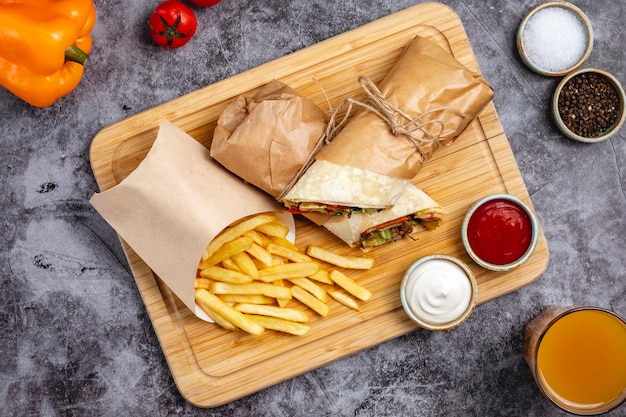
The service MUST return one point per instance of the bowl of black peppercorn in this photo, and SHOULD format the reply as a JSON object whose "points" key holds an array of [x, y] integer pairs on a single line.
{"points": [[588, 105]]}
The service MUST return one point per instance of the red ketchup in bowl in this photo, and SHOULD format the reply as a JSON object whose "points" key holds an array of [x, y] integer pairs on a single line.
{"points": [[499, 232]]}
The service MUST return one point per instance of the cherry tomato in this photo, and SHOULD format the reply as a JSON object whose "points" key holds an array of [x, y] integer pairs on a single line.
{"points": [[172, 24], [204, 3]]}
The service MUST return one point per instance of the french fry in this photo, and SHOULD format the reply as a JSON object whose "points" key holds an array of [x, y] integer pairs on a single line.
{"points": [[258, 238], [310, 286], [283, 242], [350, 285], [218, 319], [282, 302], [275, 228], [321, 276], [293, 255], [225, 275], [245, 264], [202, 283], [227, 250], [257, 288], [280, 325], [212, 303], [290, 314], [261, 254], [228, 263], [247, 298], [278, 260], [288, 270], [351, 262], [233, 232], [345, 299], [310, 301]]}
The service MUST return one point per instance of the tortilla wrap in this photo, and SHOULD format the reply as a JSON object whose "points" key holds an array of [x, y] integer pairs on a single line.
{"points": [[343, 185], [426, 84], [412, 201]]}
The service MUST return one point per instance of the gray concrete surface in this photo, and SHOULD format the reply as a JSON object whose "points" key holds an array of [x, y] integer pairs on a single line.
{"points": [[75, 338]]}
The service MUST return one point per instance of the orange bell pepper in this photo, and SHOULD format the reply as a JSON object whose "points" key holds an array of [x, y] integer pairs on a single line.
{"points": [[44, 45]]}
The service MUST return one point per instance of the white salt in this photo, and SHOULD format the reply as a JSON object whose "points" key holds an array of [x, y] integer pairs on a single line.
{"points": [[554, 39]]}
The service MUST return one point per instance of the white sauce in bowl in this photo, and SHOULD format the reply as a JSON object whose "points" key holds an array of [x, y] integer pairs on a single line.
{"points": [[438, 291]]}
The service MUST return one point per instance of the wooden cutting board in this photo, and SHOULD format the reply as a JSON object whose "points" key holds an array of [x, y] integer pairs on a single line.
{"points": [[212, 366]]}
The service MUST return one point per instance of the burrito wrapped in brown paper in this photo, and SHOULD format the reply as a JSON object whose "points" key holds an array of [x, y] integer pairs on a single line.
{"points": [[174, 203], [425, 101], [265, 136]]}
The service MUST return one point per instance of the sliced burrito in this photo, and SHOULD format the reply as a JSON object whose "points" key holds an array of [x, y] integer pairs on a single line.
{"points": [[413, 208], [424, 102], [334, 189]]}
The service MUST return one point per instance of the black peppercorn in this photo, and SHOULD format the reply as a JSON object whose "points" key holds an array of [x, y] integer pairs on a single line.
{"points": [[589, 104]]}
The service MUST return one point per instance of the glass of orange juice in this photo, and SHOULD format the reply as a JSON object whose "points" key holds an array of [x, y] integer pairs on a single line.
{"points": [[578, 358]]}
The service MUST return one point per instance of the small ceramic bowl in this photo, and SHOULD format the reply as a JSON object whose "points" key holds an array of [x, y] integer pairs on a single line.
{"points": [[568, 129], [554, 38], [500, 232], [438, 292]]}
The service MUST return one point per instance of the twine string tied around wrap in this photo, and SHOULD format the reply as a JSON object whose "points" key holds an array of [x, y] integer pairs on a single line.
{"points": [[418, 130], [400, 123]]}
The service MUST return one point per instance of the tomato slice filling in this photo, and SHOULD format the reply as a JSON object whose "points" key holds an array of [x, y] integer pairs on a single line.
{"points": [[395, 229]]}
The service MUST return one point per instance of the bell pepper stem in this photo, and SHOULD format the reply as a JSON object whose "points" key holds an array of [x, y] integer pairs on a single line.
{"points": [[75, 54]]}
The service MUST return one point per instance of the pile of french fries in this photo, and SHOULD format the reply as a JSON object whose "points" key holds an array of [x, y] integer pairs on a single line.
{"points": [[251, 277]]}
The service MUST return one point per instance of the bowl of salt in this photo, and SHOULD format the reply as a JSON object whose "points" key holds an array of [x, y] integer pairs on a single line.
{"points": [[554, 38]]}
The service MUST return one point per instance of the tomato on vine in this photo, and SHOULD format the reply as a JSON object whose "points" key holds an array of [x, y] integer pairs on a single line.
{"points": [[172, 24]]}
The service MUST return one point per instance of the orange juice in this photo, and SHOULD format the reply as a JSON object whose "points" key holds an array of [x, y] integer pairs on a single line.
{"points": [[581, 361]]}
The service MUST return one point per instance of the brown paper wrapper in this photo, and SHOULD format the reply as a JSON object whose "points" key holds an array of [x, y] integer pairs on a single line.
{"points": [[429, 85], [175, 202], [265, 135]]}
